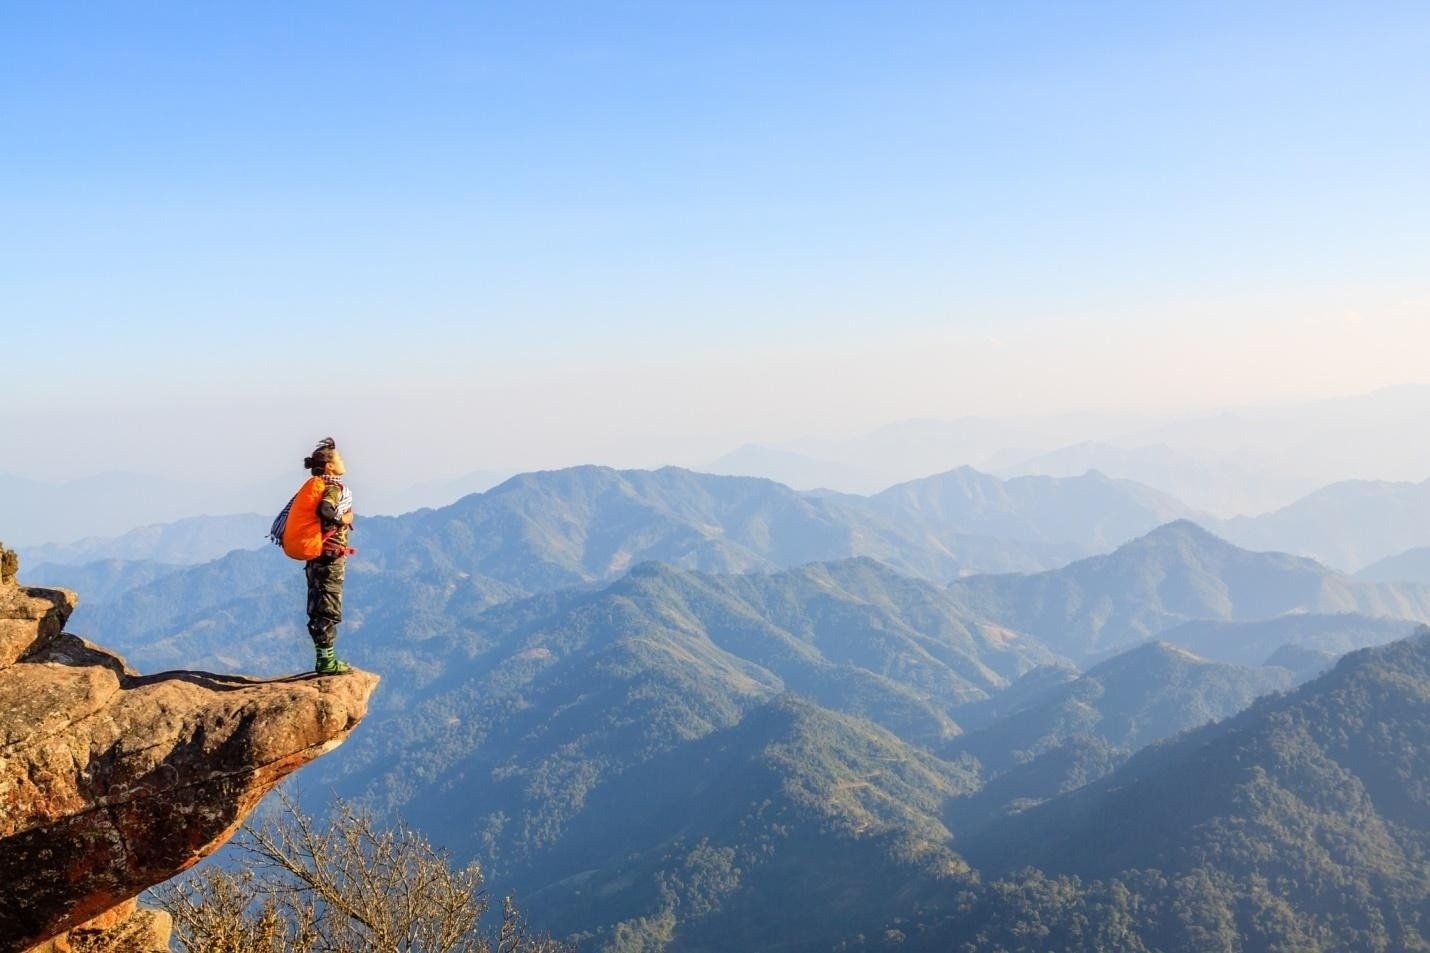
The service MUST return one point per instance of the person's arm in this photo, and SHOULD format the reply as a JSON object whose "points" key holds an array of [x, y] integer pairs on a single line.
{"points": [[328, 510]]}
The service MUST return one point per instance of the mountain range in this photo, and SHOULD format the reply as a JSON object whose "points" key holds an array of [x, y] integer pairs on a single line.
{"points": [[666, 654], [1175, 574], [1242, 460], [642, 781], [797, 470], [633, 761], [118, 515], [33, 512], [184, 542], [562, 527], [958, 521], [1090, 511], [789, 829], [1348, 525], [909, 449], [1068, 734], [1224, 488], [1300, 823], [677, 711], [1317, 639], [1413, 565], [102, 580], [677, 757], [1146, 694], [545, 531]]}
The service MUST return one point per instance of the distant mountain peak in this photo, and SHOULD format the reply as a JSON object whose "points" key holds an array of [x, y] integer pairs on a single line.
{"points": [[1182, 529], [651, 569], [1162, 648], [1176, 573], [1155, 654], [959, 476], [1187, 535]]}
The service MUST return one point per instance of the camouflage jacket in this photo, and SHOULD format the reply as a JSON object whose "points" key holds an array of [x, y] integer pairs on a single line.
{"points": [[337, 501]]}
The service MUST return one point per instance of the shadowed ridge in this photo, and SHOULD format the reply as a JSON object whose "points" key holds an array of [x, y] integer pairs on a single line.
{"points": [[1339, 759]]}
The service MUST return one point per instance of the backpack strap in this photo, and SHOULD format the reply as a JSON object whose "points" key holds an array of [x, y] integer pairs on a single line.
{"points": [[331, 548], [275, 532]]}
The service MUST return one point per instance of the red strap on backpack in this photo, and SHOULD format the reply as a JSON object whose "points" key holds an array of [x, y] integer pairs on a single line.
{"points": [[331, 548]]}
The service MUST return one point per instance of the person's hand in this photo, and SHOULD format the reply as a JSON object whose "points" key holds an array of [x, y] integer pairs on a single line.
{"points": [[348, 518]]}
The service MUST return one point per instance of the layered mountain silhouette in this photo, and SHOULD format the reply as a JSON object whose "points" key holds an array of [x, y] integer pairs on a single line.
{"points": [[797, 470], [1267, 642], [540, 532], [909, 449], [1139, 697], [683, 711], [101, 580], [680, 711], [1300, 822], [664, 656], [185, 542], [1092, 511], [1283, 451], [1348, 525], [1413, 565], [221, 615], [1175, 574], [33, 512], [1225, 488], [573, 740], [1071, 733]]}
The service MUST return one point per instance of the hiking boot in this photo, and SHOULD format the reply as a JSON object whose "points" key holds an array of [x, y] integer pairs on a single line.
{"points": [[328, 662]]}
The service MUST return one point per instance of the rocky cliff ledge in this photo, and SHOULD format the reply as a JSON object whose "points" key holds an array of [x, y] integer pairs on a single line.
{"points": [[111, 781]]}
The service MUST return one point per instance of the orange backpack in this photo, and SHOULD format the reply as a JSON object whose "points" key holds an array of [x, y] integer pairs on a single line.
{"points": [[302, 532]]}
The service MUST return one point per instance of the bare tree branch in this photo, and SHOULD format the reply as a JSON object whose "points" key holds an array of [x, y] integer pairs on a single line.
{"points": [[351, 886]]}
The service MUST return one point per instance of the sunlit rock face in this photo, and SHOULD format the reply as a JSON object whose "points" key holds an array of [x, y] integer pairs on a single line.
{"points": [[112, 781]]}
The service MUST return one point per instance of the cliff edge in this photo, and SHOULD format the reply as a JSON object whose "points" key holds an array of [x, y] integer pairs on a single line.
{"points": [[112, 781]]}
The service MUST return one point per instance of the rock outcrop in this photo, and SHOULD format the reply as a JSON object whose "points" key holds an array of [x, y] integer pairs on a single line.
{"points": [[111, 781]]}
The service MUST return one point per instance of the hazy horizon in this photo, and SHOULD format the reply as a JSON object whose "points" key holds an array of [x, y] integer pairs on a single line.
{"points": [[1093, 426]]}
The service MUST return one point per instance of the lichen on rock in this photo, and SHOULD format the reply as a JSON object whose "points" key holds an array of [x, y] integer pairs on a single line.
{"points": [[112, 781]]}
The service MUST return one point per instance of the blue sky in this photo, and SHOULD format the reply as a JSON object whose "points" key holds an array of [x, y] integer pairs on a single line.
{"points": [[636, 231]]}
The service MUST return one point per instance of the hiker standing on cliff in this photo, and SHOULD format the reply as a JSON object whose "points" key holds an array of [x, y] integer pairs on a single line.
{"points": [[314, 527]]}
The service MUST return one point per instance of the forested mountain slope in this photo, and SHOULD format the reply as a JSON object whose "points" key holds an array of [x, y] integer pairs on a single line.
{"points": [[791, 828], [1144, 695], [1302, 823], [560, 685], [661, 757], [509, 735], [1070, 734]]}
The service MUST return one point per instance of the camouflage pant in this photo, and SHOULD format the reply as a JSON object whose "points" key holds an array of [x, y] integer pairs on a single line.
{"points": [[325, 598]]}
